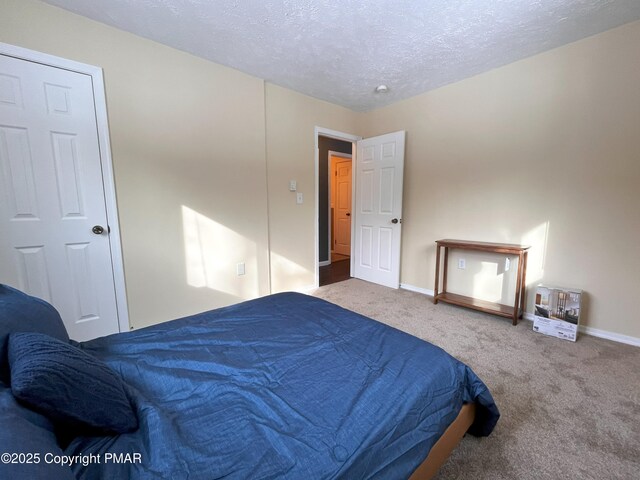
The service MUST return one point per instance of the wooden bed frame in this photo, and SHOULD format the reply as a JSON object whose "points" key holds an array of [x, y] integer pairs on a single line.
{"points": [[445, 444]]}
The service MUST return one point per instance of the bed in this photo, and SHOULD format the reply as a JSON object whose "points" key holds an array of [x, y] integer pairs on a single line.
{"points": [[285, 386]]}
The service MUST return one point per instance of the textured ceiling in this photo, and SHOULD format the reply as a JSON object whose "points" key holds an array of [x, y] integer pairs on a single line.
{"points": [[340, 50]]}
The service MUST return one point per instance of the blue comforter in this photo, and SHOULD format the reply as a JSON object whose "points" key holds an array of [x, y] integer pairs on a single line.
{"points": [[286, 386]]}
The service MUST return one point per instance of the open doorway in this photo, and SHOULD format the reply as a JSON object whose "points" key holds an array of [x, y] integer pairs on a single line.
{"points": [[335, 185], [337, 266], [376, 214], [340, 174]]}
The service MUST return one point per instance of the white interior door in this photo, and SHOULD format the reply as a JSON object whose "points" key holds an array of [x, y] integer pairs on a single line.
{"points": [[53, 195], [378, 208], [342, 209]]}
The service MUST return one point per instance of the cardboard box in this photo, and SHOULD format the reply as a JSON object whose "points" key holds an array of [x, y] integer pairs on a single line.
{"points": [[557, 312]]}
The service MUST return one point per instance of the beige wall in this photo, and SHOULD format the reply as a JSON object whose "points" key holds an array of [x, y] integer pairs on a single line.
{"points": [[546, 152], [291, 121], [188, 140]]}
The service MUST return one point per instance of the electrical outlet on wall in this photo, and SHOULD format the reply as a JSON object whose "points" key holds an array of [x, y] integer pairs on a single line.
{"points": [[462, 263]]}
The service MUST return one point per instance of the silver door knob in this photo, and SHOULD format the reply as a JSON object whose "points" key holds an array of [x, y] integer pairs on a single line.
{"points": [[98, 230]]}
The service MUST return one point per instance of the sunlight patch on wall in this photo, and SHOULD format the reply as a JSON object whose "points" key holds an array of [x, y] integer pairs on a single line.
{"points": [[291, 275], [493, 282], [489, 282], [212, 255], [537, 238]]}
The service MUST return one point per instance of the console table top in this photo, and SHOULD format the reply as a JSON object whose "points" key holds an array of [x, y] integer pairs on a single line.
{"points": [[486, 246]]}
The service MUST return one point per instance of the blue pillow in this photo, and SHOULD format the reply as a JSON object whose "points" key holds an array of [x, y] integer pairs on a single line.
{"points": [[70, 387], [20, 312], [26, 432]]}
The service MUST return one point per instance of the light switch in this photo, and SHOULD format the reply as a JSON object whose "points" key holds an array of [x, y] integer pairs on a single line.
{"points": [[293, 185], [299, 198], [240, 268]]}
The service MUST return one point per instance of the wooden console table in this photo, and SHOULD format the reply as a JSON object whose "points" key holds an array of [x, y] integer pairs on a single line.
{"points": [[514, 311]]}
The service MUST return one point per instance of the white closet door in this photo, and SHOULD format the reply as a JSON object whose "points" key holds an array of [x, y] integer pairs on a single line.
{"points": [[53, 196]]}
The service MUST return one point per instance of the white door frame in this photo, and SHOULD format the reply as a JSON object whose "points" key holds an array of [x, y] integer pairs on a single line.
{"points": [[105, 160], [346, 137], [329, 223]]}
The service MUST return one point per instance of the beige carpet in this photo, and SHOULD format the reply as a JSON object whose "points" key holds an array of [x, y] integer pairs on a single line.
{"points": [[569, 410]]}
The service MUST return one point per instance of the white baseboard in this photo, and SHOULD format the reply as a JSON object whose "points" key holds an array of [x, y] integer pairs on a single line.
{"points": [[306, 289], [616, 337], [412, 288], [594, 332], [324, 263]]}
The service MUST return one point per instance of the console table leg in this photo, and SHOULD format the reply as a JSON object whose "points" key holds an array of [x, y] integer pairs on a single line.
{"points": [[437, 282], [445, 267], [523, 290], [516, 304]]}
